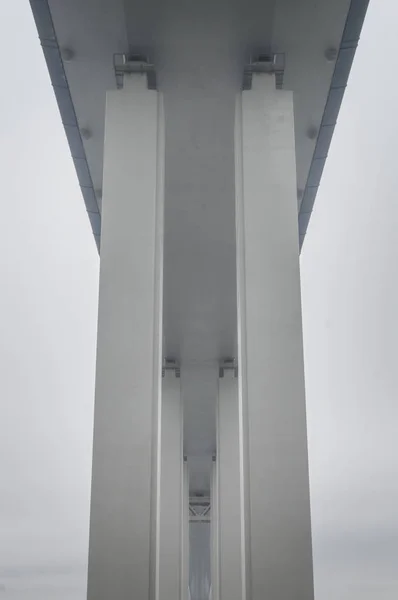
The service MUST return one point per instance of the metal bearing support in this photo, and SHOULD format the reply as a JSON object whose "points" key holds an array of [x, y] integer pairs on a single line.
{"points": [[171, 365], [265, 63], [134, 64], [228, 364]]}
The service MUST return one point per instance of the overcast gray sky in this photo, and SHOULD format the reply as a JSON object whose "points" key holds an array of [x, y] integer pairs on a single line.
{"points": [[48, 304]]}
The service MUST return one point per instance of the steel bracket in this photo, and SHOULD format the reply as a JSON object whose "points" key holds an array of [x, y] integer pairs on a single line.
{"points": [[265, 63], [228, 364], [134, 64], [171, 365]]}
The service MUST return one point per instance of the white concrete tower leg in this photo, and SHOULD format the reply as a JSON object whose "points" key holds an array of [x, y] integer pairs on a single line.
{"points": [[124, 523], [185, 534], [230, 573], [171, 490], [273, 437], [214, 533]]}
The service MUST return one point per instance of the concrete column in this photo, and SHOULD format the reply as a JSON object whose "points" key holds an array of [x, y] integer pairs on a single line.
{"points": [[124, 527], [171, 491], [228, 484], [274, 484], [185, 534], [215, 533]]}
